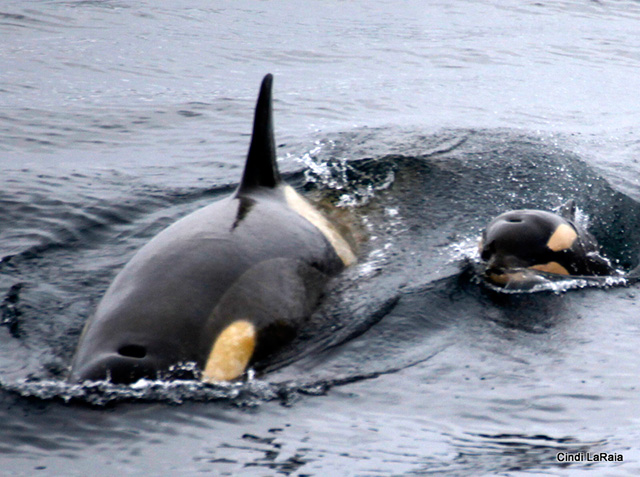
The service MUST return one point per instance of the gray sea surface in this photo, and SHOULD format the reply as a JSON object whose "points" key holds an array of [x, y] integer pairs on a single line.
{"points": [[423, 119]]}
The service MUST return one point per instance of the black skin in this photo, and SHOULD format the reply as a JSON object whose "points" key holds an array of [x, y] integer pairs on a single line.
{"points": [[518, 240], [249, 256]]}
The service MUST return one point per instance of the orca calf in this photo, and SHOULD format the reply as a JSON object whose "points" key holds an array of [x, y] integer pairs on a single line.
{"points": [[517, 245], [222, 288]]}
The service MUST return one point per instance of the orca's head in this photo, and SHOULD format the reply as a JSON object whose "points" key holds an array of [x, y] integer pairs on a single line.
{"points": [[518, 244], [121, 360]]}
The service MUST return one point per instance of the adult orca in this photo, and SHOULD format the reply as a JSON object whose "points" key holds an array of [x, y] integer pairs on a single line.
{"points": [[517, 245], [222, 288]]}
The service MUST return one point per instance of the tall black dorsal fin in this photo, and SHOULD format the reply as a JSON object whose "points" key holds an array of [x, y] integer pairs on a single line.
{"points": [[261, 168]]}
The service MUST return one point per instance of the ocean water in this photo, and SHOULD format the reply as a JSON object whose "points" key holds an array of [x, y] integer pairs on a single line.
{"points": [[423, 120]]}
